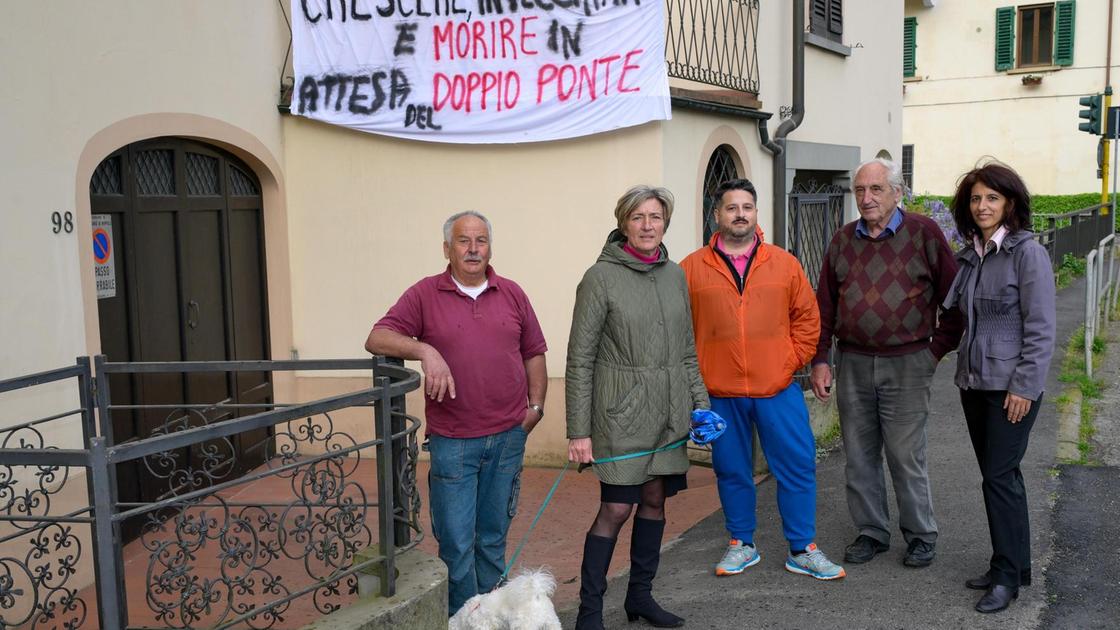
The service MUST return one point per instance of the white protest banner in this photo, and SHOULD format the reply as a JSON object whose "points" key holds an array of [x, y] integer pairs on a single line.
{"points": [[480, 71]]}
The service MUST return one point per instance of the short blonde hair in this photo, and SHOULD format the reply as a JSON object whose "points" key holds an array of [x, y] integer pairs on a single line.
{"points": [[636, 196]]}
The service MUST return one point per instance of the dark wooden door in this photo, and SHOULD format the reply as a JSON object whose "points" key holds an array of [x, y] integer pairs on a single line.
{"points": [[187, 235]]}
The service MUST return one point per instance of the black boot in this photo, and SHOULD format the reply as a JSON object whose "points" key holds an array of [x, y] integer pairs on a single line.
{"points": [[597, 552], [645, 555]]}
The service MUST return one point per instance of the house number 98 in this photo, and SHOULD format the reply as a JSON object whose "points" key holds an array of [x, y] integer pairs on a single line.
{"points": [[62, 222]]}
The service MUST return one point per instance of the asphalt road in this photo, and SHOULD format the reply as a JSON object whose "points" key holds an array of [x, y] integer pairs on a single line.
{"points": [[1083, 580], [882, 593]]}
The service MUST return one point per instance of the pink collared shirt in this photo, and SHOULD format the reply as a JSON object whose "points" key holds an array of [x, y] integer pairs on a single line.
{"points": [[738, 260], [994, 244]]}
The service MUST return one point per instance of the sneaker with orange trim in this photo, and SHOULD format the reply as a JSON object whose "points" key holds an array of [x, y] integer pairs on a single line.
{"points": [[737, 558], [814, 564]]}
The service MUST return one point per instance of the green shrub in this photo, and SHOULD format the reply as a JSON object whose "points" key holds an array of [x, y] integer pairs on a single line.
{"points": [[1073, 264], [920, 203], [1042, 206]]}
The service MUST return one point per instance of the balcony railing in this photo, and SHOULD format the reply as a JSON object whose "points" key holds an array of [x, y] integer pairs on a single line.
{"points": [[713, 42]]}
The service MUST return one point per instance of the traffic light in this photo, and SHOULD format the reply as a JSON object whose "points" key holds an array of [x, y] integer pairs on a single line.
{"points": [[1092, 115]]}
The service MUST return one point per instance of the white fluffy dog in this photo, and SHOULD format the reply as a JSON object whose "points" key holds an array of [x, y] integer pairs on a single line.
{"points": [[522, 604]]}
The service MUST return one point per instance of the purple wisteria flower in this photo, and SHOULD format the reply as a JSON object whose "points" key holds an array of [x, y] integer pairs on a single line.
{"points": [[941, 215]]}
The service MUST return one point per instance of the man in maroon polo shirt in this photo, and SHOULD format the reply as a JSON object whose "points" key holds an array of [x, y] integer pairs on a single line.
{"points": [[482, 353]]}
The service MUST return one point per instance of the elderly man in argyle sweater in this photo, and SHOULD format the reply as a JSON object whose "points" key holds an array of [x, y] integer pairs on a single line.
{"points": [[881, 284]]}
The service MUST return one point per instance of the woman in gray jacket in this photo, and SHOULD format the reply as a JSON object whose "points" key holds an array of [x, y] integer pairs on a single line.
{"points": [[1005, 290], [632, 382]]}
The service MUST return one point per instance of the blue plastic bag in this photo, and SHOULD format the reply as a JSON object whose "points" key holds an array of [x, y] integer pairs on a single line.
{"points": [[707, 425]]}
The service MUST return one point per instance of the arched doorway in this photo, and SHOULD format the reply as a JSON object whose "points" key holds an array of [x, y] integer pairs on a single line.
{"points": [[721, 167], [185, 225]]}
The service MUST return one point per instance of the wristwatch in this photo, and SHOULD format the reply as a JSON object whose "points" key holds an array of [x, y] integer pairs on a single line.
{"points": [[537, 408]]}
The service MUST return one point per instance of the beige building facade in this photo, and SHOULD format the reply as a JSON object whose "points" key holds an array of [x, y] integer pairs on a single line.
{"points": [[238, 231], [343, 221], [1002, 79]]}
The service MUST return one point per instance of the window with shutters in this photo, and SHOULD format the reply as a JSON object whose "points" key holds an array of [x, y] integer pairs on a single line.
{"points": [[909, 46], [826, 19], [1035, 35], [908, 166]]}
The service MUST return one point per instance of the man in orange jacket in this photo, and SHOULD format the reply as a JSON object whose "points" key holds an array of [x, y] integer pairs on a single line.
{"points": [[756, 323]]}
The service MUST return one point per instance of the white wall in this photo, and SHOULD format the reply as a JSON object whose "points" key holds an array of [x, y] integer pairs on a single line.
{"points": [[81, 79], [853, 100], [72, 68]]}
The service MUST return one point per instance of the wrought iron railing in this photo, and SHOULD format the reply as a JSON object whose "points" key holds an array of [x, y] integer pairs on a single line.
{"points": [[222, 545], [713, 42], [44, 546]]}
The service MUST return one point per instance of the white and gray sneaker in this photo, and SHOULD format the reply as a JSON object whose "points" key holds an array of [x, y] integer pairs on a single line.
{"points": [[814, 564], [738, 557]]}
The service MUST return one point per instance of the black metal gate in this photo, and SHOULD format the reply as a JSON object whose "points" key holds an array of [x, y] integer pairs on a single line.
{"points": [[815, 213]]}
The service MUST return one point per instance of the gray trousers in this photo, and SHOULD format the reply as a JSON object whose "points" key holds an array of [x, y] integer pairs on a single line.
{"points": [[884, 404]]}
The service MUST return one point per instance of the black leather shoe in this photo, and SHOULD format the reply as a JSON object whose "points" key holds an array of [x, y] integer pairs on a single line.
{"points": [[919, 554], [996, 599], [863, 549]]}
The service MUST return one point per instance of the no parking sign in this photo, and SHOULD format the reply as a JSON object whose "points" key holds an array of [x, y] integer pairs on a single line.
{"points": [[104, 271]]}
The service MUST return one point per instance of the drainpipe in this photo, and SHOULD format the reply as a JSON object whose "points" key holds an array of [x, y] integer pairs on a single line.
{"points": [[777, 146]]}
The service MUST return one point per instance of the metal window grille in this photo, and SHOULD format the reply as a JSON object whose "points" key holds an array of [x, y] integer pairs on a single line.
{"points": [[241, 184], [106, 178], [908, 166], [202, 175], [816, 212], [155, 173], [721, 167]]}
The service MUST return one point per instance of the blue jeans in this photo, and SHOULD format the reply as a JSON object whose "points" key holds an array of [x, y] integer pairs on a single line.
{"points": [[474, 486]]}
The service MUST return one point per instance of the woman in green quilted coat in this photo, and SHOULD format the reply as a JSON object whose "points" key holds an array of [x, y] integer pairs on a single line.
{"points": [[632, 382]]}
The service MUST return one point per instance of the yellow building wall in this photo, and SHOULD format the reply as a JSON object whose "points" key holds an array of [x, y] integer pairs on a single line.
{"points": [[958, 109]]}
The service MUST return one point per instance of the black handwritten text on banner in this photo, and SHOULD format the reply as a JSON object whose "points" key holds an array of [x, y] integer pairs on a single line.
{"points": [[480, 71]]}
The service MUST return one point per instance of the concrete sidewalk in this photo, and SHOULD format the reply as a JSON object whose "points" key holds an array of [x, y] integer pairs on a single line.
{"points": [[882, 593]]}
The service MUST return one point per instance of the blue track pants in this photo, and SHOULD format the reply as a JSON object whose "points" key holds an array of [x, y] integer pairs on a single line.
{"points": [[782, 422]]}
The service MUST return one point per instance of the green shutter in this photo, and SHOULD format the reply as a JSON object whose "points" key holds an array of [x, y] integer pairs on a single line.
{"points": [[909, 33], [1063, 33], [1005, 38]]}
